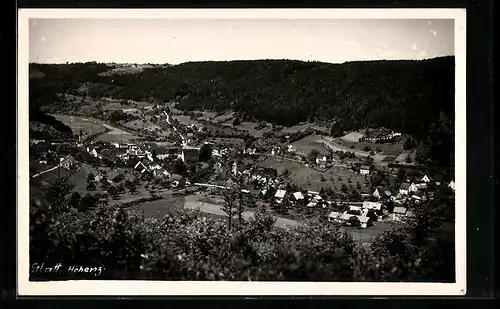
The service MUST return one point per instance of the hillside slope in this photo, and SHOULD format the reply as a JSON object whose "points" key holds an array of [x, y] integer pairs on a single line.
{"points": [[407, 96]]}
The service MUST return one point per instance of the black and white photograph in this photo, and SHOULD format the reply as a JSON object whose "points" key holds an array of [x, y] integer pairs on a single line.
{"points": [[237, 152]]}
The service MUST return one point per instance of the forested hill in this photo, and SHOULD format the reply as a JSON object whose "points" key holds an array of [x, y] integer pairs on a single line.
{"points": [[407, 96]]}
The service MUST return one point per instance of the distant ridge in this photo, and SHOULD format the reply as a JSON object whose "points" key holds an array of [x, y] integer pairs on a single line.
{"points": [[404, 95]]}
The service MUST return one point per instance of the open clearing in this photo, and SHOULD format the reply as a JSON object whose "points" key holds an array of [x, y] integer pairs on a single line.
{"points": [[310, 179], [76, 123], [196, 202], [91, 125], [160, 208], [352, 137], [186, 120], [306, 144], [388, 149]]}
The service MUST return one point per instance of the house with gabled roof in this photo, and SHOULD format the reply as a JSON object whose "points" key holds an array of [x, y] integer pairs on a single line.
{"points": [[279, 196], [451, 185], [421, 186], [312, 203], [372, 205], [139, 166], [412, 187], [425, 179], [381, 192], [298, 196]]}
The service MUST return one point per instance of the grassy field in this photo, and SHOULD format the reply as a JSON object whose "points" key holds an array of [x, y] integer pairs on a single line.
{"points": [[250, 128], [369, 234], [388, 149], [306, 144], [160, 208], [80, 123], [311, 179]]}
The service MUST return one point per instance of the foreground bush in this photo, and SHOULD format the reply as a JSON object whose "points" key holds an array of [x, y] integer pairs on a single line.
{"points": [[185, 245]]}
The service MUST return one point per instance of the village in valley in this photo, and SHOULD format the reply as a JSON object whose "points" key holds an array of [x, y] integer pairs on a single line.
{"points": [[152, 157]]}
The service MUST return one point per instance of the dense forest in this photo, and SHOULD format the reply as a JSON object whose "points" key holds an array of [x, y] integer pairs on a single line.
{"points": [[413, 97]]}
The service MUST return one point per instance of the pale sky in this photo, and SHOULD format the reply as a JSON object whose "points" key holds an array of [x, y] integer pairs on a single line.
{"points": [[176, 40]]}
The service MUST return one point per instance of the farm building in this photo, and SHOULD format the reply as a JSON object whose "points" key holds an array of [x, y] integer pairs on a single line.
{"points": [[412, 188], [335, 216], [348, 219], [425, 179]]}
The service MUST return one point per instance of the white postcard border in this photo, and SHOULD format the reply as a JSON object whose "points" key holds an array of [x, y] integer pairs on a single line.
{"points": [[26, 288]]}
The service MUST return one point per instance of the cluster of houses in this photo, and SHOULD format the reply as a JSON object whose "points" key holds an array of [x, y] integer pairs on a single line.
{"points": [[365, 213]]}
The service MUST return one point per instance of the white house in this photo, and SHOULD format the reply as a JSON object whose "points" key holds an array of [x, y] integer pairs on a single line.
{"points": [[421, 186], [412, 188], [292, 148], [234, 168], [364, 170], [280, 195], [298, 196], [335, 217], [372, 205], [355, 208], [398, 213], [404, 189], [312, 204], [425, 179]]}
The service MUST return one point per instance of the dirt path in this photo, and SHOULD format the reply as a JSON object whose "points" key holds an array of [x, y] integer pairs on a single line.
{"points": [[46, 171]]}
